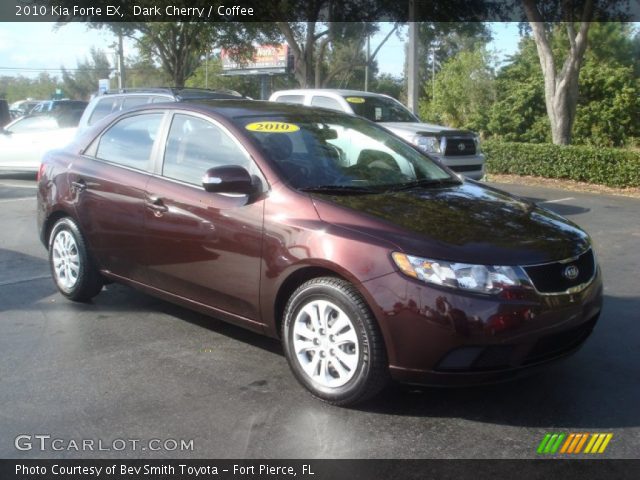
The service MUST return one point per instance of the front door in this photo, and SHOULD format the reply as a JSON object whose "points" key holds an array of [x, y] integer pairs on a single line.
{"points": [[203, 246]]}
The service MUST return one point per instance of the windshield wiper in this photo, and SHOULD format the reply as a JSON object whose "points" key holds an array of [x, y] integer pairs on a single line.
{"points": [[425, 182], [339, 189]]}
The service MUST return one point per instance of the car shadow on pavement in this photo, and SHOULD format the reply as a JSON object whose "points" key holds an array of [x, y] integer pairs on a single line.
{"points": [[18, 274], [120, 298], [595, 388]]}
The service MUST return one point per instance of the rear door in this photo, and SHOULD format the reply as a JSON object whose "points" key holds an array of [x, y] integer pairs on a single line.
{"points": [[204, 246], [109, 187]]}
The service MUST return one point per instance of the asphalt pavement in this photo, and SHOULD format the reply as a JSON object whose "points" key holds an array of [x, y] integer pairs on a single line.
{"points": [[130, 367]]}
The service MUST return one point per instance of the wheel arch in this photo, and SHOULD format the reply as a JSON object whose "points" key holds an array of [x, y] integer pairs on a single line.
{"points": [[50, 221], [304, 274]]}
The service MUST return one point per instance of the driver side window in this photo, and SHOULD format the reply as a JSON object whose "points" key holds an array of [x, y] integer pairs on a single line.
{"points": [[195, 145]]}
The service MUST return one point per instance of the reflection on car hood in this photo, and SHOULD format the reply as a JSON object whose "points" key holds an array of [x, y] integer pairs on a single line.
{"points": [[466, 223]]}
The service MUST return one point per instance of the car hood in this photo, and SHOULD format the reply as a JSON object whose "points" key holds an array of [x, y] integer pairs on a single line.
{"points": [[468, 223], [417, 127]]}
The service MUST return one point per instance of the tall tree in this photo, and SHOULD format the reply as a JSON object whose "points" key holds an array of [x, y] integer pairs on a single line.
{"points": [[83, 81], [561, 84], [464, 91], [608, 102]]}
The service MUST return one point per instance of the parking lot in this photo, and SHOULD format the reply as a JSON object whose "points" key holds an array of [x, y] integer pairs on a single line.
{"points": [[128, 366]]}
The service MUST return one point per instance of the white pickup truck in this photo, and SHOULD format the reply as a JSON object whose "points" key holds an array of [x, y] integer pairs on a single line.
{"points": [[457, 149]]}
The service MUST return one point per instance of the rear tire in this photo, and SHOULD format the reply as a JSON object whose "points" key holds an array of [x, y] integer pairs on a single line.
{"points": [[332, 342], [72, 267]]}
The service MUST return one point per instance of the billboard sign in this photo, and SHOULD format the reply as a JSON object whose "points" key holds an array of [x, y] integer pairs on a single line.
{"points": [[267, 59]]}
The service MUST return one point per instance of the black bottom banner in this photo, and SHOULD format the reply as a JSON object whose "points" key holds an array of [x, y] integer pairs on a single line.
{"points": [[318, 469]]}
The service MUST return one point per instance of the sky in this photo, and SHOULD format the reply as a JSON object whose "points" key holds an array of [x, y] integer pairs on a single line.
{"points": [[29, 48]]}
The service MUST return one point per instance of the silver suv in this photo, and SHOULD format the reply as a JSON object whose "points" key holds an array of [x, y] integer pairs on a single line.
{"points": [[457, 149], [111, 102]]}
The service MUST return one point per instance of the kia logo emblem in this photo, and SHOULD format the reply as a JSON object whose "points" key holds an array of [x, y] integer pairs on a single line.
{"points": [[571, 272], [461, 146]]}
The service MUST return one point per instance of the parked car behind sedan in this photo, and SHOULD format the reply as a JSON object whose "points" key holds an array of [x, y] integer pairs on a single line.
{"points": [[457, 149], [23, 107], [112, 102], [5, 113], [365, 257], [58, 106], [24, 141]]}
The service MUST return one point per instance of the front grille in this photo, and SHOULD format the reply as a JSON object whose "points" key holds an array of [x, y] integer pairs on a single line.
{"points": [[465, 168], [559, 343], [459, 146], [551, 277]]}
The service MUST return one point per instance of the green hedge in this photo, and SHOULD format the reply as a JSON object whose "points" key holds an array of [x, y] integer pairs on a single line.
{"points": [[614, 167]]}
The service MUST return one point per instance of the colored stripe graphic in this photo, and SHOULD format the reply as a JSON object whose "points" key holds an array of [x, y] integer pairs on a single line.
{"points": [[550, 443], [544, 442], [582, 442], [572, 443]]}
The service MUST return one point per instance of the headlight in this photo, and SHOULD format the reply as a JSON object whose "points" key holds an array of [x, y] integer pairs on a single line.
{"points": [[427, 144], [474, 278]]}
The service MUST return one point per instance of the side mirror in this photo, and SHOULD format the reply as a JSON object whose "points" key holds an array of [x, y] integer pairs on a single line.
{"points": [[228, 179]]}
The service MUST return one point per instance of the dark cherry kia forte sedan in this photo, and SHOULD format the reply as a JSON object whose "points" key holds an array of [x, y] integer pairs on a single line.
{"points": [[368, 259]]}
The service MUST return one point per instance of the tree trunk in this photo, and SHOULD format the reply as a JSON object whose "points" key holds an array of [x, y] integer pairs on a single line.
{"points": [[560, 88], [301, 64]]}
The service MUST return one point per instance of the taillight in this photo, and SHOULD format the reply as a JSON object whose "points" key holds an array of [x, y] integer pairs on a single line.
{"points": [[40, 172]]}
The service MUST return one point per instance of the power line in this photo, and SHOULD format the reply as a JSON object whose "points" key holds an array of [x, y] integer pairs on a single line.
{"points": [[37, 69]]}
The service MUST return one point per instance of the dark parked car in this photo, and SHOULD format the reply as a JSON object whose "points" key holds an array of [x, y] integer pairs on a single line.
{"points": [[5, 114], [369, 260], [58, 106]]}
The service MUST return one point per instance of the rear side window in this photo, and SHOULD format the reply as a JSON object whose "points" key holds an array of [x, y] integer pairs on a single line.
{"points": [[299, 99], [104, 107], [195, 145], [130, 141], [326, 102]]}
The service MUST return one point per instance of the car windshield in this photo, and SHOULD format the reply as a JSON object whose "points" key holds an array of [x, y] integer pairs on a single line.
{"points": [[380, 109], [324, 151]]}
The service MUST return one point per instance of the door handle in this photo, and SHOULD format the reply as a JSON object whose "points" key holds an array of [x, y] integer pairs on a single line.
{"points": [[157, 205], [79, 186]]}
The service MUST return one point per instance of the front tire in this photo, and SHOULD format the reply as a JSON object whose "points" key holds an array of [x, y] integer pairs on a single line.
{"points": [[72, 268], [333, 343]]}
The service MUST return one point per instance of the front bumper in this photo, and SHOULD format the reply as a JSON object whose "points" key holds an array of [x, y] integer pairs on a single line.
{"points": [[471, 166], [438, 336]]}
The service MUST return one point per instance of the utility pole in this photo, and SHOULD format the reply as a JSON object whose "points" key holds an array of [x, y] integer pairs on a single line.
{"points": [[122, 82], [433, 74], [206, 68], [412, 63], [366, 66]]}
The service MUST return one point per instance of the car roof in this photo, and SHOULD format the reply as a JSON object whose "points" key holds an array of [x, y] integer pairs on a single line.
{"points": [[238, 108], [337, 91], [181, 94]]}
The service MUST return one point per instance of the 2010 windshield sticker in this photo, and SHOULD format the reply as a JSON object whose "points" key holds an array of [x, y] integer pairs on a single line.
{"points": [[355, 99], [272, 127]]}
